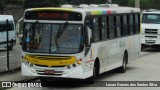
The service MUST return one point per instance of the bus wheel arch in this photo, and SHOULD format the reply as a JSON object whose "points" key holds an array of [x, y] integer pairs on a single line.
{"points": [[126, 52], [97, 65]]}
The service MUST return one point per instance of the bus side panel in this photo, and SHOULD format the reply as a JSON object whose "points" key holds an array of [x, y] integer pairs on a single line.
{"points": [[137, 45], [103, 55], [121, 47], [131, 47]]}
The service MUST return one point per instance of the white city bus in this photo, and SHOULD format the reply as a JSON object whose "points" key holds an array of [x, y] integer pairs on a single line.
{"points": [[79, 42], [3, 30], [150, 28]]}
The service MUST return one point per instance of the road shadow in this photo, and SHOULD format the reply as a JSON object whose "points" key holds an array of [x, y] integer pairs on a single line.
{"points": [[152, 49], [10, 72], [68, 83], [75, 83]]}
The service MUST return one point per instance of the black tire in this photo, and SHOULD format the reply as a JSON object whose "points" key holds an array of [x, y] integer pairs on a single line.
{"points": [[91, 80], [122, 69]]}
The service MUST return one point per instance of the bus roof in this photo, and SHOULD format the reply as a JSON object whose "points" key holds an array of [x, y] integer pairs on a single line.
{"points": [[99, 9]]}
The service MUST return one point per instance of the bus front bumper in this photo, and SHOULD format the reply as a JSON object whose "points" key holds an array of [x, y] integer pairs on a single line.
{"points": [[76, 73]]}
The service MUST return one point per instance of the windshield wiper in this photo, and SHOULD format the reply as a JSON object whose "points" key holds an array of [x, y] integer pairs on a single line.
{"points": [[59, 33], [61, 30]]}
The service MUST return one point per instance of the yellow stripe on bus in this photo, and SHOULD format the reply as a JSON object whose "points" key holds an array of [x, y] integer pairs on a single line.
{"points": [[50, 62]]}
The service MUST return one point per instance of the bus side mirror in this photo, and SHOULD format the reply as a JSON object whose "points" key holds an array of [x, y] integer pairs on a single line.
{"points": [[88, 36]]}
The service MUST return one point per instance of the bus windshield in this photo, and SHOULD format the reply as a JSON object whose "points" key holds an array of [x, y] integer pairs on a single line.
{"points": [[151, 18], [53, 38]]}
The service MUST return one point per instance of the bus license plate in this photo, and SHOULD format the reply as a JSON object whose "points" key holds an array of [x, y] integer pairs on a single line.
{"points": [[49, 72]]}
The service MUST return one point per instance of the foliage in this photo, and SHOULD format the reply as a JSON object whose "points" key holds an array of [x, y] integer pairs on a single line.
{"points": [[77, 2], [121, 2], [2, 3], [144, 4]]}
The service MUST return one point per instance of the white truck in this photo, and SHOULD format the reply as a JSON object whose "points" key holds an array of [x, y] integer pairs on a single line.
{"points": [[150, 28]]}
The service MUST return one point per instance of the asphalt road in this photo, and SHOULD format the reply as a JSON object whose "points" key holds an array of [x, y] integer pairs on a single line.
{"points": [[14, 58], [145, 68]]}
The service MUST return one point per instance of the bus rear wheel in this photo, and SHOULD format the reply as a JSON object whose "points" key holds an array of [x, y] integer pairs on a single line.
{"points": [[122, 69]]}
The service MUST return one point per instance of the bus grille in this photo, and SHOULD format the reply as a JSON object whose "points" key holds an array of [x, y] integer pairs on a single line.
{"points": [[151, 31]]}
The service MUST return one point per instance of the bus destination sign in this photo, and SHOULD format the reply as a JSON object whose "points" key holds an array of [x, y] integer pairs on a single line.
{"points": [[53, 15]]}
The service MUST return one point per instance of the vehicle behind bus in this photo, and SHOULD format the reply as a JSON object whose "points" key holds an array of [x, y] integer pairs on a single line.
{"points": [[3, 31], [150, 28]]}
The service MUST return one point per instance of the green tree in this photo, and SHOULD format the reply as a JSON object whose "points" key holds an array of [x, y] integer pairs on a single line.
{"points": [[2, 3], [77, 2], [43, 3], [121, 2]]}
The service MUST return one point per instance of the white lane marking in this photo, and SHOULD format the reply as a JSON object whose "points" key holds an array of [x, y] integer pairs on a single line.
{"points": [[6, 56]]}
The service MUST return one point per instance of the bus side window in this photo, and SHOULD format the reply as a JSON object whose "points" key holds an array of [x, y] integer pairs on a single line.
{"points": [[111, 27], [95, 29], [104, 28], [124, 25], [118, 26], [107, 20], [130, 19], [137, 21], [88, 22], [134, 24]]}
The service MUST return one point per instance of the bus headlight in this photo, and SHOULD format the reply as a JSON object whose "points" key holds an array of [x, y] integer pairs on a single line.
{"points": [[79, 61], [23, 60]]}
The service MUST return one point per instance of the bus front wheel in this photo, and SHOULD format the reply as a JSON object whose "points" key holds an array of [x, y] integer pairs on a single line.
{"points": [[95, 73]]}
